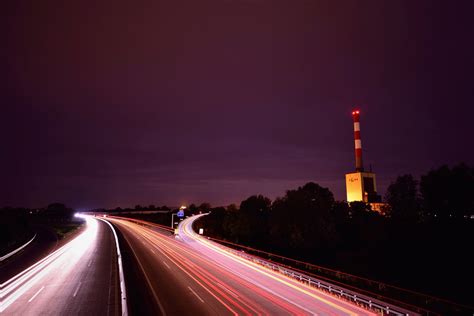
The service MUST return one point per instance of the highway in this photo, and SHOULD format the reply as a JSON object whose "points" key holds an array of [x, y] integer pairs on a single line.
{"points": [[188, 275], [80, 278]]}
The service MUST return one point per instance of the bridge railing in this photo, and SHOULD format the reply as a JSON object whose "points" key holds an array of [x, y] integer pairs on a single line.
{"points": [[388, 295]]}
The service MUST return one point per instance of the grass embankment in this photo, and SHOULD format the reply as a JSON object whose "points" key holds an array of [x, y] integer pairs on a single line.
{"points": [[63, 230]]}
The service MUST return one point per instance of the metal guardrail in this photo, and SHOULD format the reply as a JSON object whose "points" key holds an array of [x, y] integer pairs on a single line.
{"points": [[123, 291], [365, 290], [362, 300], [406, 299], [368, 302], [359, 299]]}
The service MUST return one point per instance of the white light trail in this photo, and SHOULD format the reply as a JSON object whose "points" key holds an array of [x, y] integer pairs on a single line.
{"points": [[69, 254]]}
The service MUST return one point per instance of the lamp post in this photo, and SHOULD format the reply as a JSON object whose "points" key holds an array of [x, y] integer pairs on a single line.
{"points": [[172, 220]]}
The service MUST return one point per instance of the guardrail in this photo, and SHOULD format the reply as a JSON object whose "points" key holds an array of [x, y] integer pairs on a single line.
{"points": [[123, 291], [368, 302], [8, 255], [371, 300], [397, 296], [370, 293]]}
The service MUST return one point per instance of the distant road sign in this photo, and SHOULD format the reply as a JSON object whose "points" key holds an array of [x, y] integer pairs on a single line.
{"points": [[180, 213]]}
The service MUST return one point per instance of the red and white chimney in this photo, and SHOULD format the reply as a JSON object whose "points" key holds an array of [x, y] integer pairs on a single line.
{"points": [[357, 141]]}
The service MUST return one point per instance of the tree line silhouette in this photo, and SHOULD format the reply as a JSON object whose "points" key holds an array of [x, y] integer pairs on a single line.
{"points": [[17, 225], [420, 241]]}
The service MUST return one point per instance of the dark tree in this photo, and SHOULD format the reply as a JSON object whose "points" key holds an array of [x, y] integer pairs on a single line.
{"points": [[232, 208], [448, 192], [341, 211], [402, 196], [462, 190], [359, 209], [192, 209], [250, 221], [14, 228], [204, 207], [302, 218], [59, 211]]}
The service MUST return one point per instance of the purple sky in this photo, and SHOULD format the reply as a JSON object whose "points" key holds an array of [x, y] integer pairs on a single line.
{"points": [[117, 104]]}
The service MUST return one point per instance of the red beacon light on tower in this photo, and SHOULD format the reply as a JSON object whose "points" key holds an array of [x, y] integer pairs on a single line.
{"points": [[360, 185]]}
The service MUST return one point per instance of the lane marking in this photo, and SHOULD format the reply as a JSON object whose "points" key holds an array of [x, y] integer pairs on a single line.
{"points": [[287, 281], [188, 273], [196, 294], [227, 290], [189, 263], [140, 233], [143, 271], [243, 300], [167, 265], [206, 275], [33, 297], [77, 289], [250, 284]]}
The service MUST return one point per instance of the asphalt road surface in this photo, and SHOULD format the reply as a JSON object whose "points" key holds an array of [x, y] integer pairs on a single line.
{"points": [[80, 278], [188, 275]]}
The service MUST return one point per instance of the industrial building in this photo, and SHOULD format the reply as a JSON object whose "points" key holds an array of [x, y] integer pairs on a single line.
{"points": [[361, 185]]}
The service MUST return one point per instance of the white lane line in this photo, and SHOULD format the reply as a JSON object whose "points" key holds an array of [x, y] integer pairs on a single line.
{"points": [[33, 297], [77, 289], [166, 265], [227, 290], [192, 291], [253, 281]]}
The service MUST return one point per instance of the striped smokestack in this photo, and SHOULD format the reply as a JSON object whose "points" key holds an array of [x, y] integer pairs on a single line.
{"points": [[357, 141]]}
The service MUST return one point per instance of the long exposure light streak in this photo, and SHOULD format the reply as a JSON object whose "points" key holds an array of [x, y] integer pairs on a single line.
{"points": [[68, 254], [189, 235], [242, 286]]}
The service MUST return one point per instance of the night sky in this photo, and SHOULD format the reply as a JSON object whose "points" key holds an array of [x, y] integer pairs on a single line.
{"points": [[115, 104]]}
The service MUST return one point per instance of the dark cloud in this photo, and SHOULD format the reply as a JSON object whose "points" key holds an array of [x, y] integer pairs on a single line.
{"points": [[121, 103]]}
